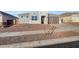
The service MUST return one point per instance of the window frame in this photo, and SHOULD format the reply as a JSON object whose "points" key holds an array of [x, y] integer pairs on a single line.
{"points": [[34, 18]]}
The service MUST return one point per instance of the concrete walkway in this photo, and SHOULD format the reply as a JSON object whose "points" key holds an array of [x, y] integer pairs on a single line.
{"points": [[41, 42]]}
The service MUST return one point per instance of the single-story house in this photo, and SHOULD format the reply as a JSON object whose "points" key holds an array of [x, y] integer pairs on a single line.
{"points": [[7, 19], [38, 17], [33, 17], [53, 19], [69, 17]]}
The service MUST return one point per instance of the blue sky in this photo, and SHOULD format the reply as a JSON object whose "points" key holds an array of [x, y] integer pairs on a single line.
{"points": [[56, 12], [18, 12]]}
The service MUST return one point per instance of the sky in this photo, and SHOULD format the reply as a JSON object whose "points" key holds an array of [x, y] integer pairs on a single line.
{"points": [[56, 12], [57, 6], [15, 13]]}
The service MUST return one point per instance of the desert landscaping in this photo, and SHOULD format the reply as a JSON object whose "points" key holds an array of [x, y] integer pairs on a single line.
{"points": [[38, 27], [53, 32]]}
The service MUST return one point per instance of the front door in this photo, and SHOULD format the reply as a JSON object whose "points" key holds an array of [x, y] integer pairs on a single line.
{"points": [[42, 19]]}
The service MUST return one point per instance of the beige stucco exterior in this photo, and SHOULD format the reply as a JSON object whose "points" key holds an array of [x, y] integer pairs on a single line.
{"points": [[75, 18], [28, 20], [6, 17], [72, 18], [66, 19], [0, 20]]}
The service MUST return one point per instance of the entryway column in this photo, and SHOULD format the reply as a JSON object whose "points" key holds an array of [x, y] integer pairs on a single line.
{"points": [[60, 21], [14, 21]]}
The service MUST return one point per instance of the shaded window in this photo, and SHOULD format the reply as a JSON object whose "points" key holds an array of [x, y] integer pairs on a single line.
{"points": [[34, 17], [27, 16], [21, 16]]}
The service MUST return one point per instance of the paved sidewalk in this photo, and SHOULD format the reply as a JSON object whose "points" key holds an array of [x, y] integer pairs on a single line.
{"points": [[6, 34], [41, 42]]}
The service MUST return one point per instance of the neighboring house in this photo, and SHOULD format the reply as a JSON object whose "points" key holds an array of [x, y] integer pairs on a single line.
{"points": [[7, 19], [53, 19], [33, 17], [69, 17]]}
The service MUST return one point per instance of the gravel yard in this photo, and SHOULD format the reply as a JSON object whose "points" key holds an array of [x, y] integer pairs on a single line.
{"points": [[25, 27], [26, 38], [34, 27], [34, 37]]}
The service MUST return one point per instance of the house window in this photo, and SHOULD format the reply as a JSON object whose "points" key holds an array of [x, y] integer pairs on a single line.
{"points": [[21, 16], [27, 16], [34, 17]]}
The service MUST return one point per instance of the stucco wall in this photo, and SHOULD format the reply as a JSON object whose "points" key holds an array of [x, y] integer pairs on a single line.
{"points": [[39, 14], [23, 19], [44, 13], [75, 18], [66, 19], [6, 17], [33, 13], [72, 18], [0, 20]]}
